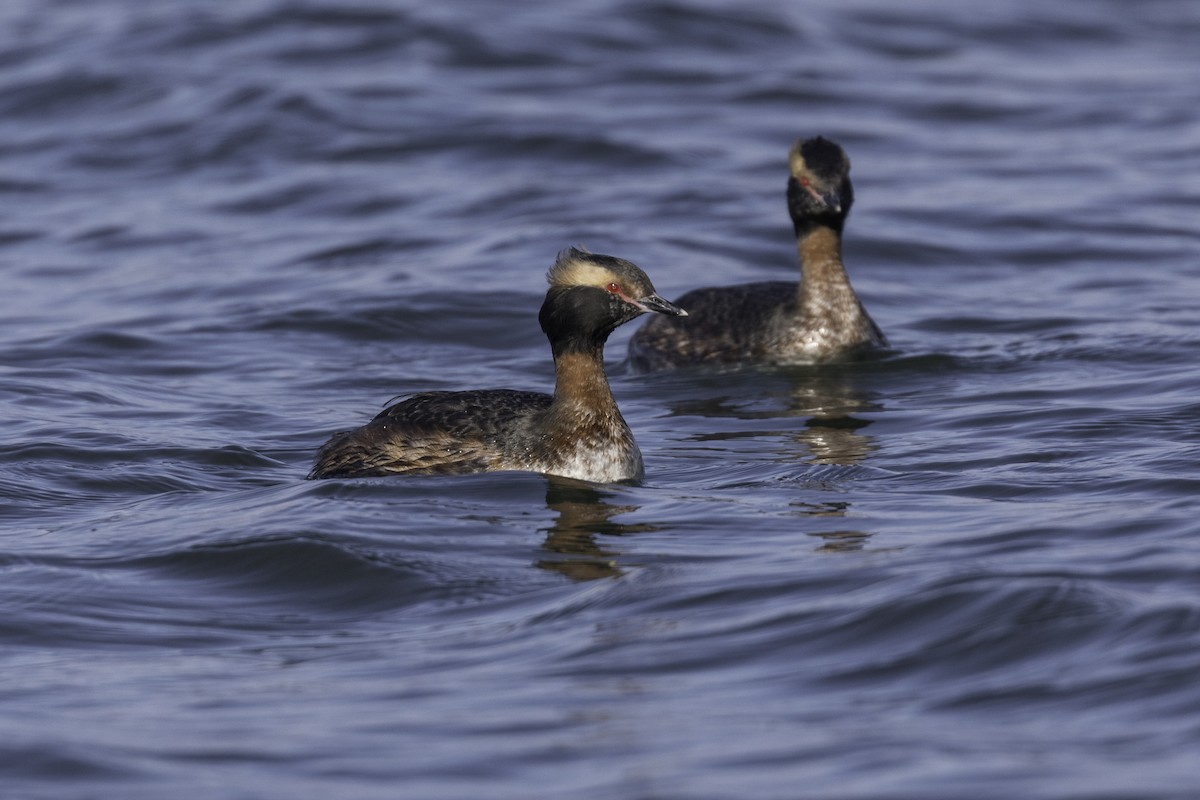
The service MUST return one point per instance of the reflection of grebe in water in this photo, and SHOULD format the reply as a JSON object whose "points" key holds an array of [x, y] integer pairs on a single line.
{"points": [[820, 319], [833, 432], [578, 432], [583, 513], [814, 422]]}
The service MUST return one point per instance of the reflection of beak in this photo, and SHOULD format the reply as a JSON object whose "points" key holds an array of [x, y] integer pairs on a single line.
{"points": [[655, 303]]}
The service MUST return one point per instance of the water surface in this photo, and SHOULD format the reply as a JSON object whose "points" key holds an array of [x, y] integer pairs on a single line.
{"points": [[968, 569]]}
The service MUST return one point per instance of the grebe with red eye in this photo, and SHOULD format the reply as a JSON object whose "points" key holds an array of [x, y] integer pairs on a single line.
{"points": [[578, 432], [819, 319]]}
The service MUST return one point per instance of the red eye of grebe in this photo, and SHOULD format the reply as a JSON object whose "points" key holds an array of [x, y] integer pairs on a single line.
{"points": [[614, 287]]}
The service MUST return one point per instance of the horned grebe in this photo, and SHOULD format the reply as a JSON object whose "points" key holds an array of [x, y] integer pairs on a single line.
{"points": [[821, 319], [578, 433]]}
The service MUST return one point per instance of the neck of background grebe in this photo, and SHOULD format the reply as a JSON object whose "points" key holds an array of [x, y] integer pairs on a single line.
{"points": [[824, 285]]}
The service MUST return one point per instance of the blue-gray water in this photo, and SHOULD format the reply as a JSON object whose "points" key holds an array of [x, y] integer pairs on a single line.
{"points": [[970, 569]]}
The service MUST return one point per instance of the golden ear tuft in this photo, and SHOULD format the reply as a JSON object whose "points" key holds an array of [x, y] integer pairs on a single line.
{"points": [[795, 160], [578, 267], [575, 266]]}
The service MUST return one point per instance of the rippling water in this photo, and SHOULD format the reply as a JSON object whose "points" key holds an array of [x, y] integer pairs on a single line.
{"points": [[969, 569]]}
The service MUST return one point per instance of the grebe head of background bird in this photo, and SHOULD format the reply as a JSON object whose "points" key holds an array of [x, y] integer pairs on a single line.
{"points": [[819, 188], [590, 295]]}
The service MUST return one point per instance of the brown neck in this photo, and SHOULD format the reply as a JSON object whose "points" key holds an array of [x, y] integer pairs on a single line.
{"points": [[823, 279], [580, 383]]}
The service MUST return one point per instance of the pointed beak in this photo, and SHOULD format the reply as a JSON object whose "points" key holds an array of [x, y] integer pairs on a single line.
{"points": [[830, 200], [655, 303]]}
